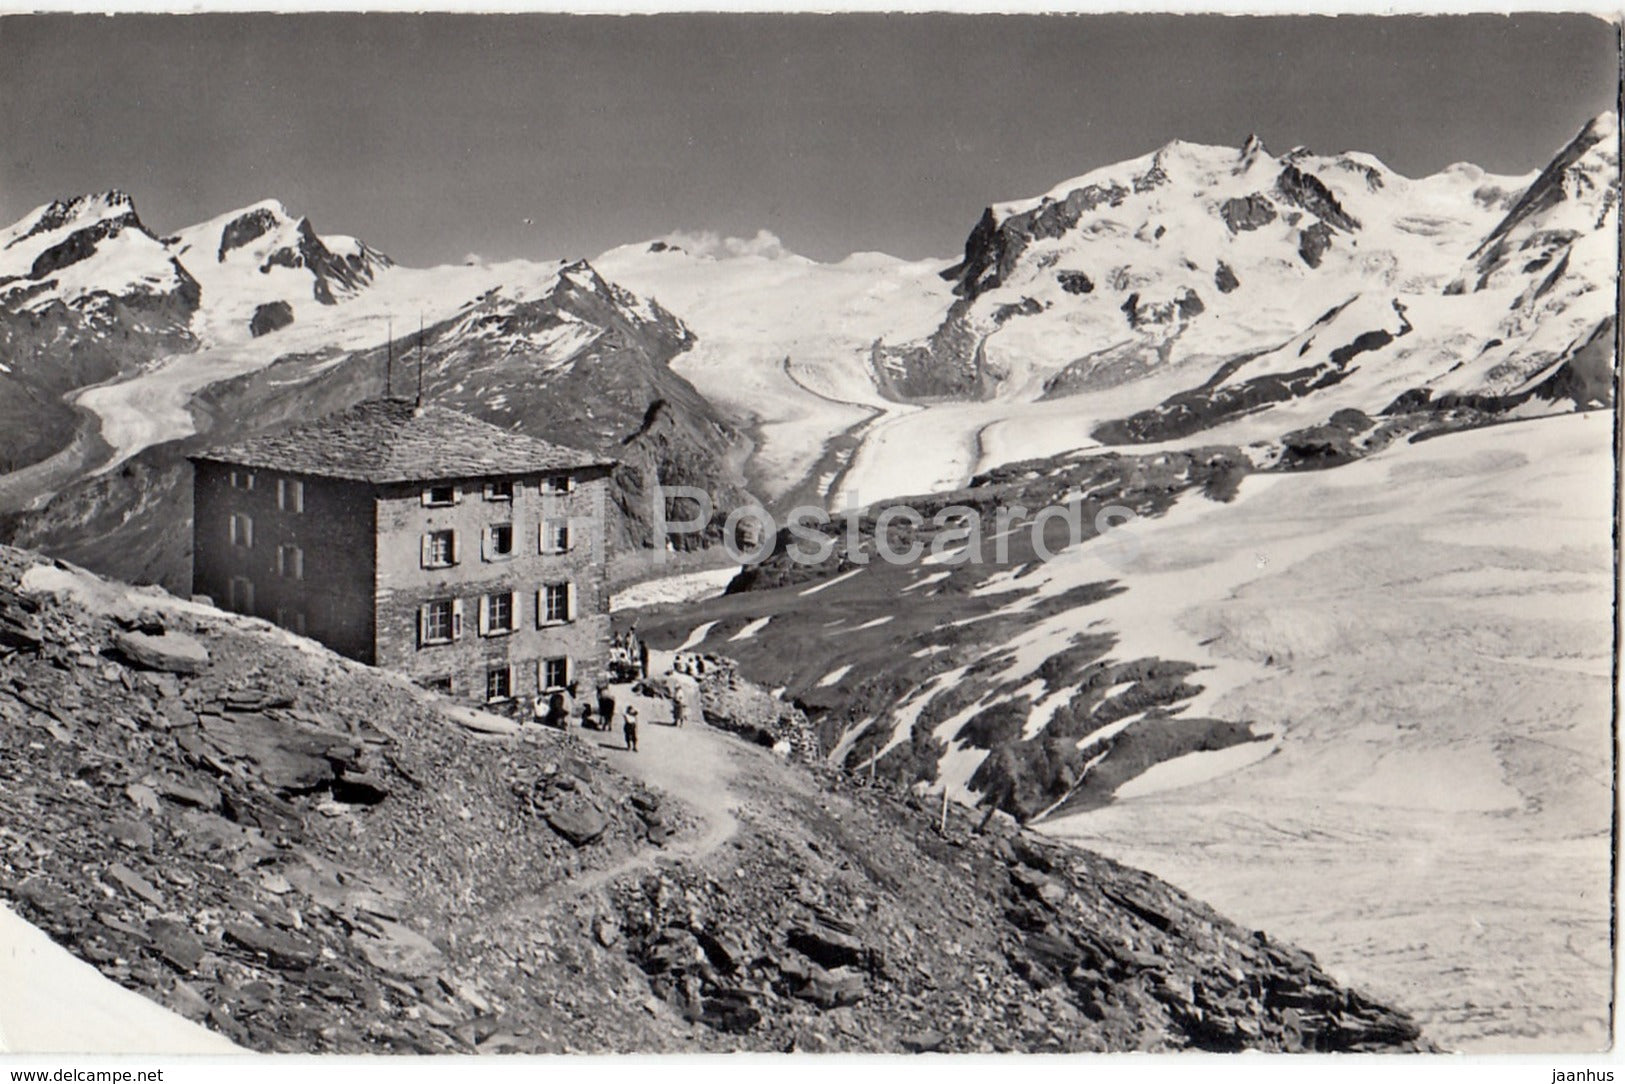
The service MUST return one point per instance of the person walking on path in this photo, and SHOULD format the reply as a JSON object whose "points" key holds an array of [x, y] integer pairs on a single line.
{"points": [[630, 729]]}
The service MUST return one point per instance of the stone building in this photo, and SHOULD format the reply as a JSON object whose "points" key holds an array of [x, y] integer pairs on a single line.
{"points": [[415, 538]]}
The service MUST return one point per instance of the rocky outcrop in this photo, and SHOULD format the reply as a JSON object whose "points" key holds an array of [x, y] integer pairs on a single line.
{"points": [[269, 317], [995, 244], [1313, 242], [170, 653], [1309, 192], [1075, 282], [246, 228], [81, 244], [1247, 213]]}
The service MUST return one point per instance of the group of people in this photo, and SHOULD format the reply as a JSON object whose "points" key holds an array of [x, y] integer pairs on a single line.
{"points": [[556, 708], [629, 655], [629, 660]]}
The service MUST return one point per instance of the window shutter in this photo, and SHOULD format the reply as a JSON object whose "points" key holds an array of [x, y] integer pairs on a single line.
{"points": [[423, 625], [513, 689], [456, 548], [427, 501], [298, 563], [485, 615], [423, 552], [541, 606], [485, 543], [569, 602], [513, 610], [248, 532], [456, 494], [569, 669], [541, 537], [457, 619]]}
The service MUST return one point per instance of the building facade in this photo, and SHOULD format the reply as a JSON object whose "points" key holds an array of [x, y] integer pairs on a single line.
{"points": [[418, 539]]}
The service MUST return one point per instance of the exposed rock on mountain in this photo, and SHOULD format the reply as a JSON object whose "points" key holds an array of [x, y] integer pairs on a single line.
{"points": [[308, 856]]}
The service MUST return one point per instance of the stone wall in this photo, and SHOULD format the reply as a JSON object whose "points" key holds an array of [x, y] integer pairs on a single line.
{"points": [[403, 585], [332, 601]]}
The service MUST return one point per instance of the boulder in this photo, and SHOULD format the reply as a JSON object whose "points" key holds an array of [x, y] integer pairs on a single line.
{"points": [[175, 944], [397, 949], [928, 1041], [203, 796], [579, 824], [172, 653], [135, 884], [281, 949], [360, 788], [131, 834], [831, 948], [830, 989]]}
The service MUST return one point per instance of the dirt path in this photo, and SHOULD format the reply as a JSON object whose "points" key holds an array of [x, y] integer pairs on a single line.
{"points": [[693, 764]]}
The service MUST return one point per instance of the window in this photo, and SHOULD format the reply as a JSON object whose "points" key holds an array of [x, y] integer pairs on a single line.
{"points": [[555, 604], [440, 684], [438, 549], [499, 491], [240, 595], [497, 542], [242, 530], [292, 620], [242, 479], [290, 562], [554, 537], [290, 494], [438, 496], [558, 484], [440, 621], [497, 613], [552, 674], [498, 683]]}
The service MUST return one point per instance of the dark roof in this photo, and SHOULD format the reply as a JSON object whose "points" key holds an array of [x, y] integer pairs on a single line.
{"points": [[392, 440]]}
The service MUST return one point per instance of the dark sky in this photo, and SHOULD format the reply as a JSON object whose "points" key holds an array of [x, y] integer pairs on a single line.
{"points": [[434, 136]]}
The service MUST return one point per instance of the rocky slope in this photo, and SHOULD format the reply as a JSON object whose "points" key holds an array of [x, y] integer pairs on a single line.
{"points": [[308, 855], [959, 669]]}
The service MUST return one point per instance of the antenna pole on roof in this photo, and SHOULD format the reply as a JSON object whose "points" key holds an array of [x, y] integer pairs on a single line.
{"points": [[420, 361], [389, 361]]}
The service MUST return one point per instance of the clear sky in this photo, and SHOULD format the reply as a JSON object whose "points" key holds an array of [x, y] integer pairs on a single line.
{"points": [[435, 136]]}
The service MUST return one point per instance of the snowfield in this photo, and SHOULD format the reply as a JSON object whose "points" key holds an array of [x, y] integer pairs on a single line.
{"points": [[1428, 633], [785, 340], [53, 1003]]}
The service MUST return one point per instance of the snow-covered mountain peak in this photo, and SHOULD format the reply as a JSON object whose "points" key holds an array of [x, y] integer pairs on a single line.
{"points": [[75, 213], [89, 247]]}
